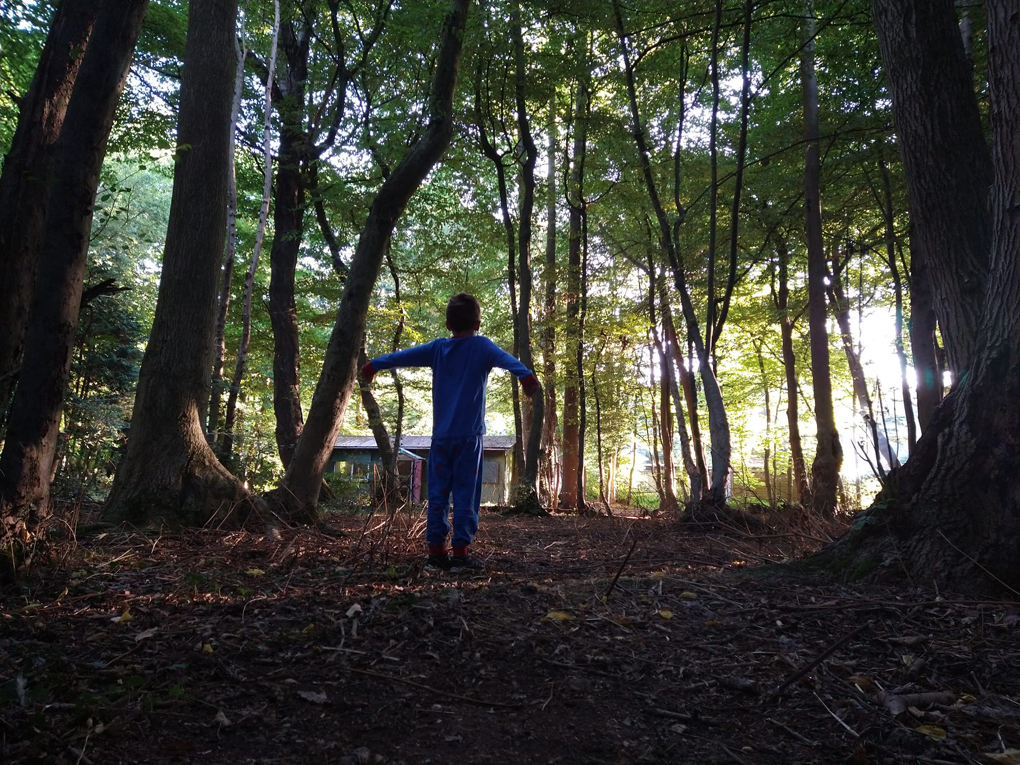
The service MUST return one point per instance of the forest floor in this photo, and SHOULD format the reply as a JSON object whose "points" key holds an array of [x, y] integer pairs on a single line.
{"points": [[305, 646]]}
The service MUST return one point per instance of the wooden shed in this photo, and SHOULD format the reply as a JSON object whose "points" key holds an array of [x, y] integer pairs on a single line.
{"points": [[358, 457]]}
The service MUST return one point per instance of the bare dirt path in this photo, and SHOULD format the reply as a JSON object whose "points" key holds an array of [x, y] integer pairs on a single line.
{"points": [[311, 647]]}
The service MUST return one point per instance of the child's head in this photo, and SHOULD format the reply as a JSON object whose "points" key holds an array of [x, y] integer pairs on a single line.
{"points": [[463, 313]]}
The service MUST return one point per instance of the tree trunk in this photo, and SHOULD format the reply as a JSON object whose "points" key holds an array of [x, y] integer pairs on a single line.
{"points": [[241, 363], [533, 426], [25, 183], [300, 489], [549, 332], [786, 322], [829, 452], [288, 229], [219, 341], [169, 472], [928, 74], [575, 197], [921, 327], [953, 512], [770, 492], [27, 462]]}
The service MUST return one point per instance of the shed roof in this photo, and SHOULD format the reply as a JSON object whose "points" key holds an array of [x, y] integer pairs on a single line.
{"points": [[367, 443]]}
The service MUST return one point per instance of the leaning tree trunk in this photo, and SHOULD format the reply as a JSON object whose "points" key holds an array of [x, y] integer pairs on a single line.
{"points": [[921, 327], [300, 489], [828, 451], [26, 465], [24, 185], [169, 472], [533, 428], [953, 513]]}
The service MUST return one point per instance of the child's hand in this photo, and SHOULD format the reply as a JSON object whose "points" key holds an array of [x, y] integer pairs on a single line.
{"points": [[368, 372], [531, 385]]}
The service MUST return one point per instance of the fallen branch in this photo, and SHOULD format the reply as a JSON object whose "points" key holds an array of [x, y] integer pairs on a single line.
{"points": [[430, 689], [816, 661]]}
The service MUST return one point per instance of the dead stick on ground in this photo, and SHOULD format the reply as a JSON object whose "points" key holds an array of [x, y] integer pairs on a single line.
{"points": [[972, 560], [458, 697], [816, 661], [620, 571]]}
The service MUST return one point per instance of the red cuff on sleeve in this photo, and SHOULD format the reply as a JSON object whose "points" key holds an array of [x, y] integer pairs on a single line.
{"points": [[368, 372], [531, 385]]}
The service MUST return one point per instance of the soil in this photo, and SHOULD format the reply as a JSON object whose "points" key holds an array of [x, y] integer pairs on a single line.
{"points": [[588, 640]]}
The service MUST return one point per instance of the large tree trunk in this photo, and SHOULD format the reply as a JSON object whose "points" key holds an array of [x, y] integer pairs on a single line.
{"points": [[300, 489], [575, 196], [929, 77], [25, 183], [169, 472], [533, 427], [26, 465], [953, 512], [828, 451]]}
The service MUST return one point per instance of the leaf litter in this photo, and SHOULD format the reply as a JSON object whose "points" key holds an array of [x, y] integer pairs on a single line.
{"points": [[337, 645]]}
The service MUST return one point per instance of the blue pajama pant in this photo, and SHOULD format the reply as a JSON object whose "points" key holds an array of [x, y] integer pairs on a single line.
{"points": [[455, 468]]}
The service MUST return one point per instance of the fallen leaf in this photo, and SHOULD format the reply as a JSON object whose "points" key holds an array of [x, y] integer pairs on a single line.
{"points": [[222, 719], [315, 697], [558, 616], [713, 623], [665, 613], [355, 609], [658, 574], [255, 572], [933, 732], [309, 628], [1009, 757], [863, 682], [688, 595], [124, 617], [146, 634], [207, 648]]}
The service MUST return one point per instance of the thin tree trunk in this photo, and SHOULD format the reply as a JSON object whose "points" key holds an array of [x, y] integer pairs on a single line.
{"points": [[769, 490], [219, 341], [27, 462], [718, 423], [574, 193], [550, 455], [301, 484], [786, 322], [169, 472], [829, 452], [26, 180], [533, 427], [600, 456], [921, 326], [227, 444]]}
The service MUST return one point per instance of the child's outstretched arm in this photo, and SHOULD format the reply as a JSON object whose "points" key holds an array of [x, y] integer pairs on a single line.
{"points": [[503, 360], [418, 356]]}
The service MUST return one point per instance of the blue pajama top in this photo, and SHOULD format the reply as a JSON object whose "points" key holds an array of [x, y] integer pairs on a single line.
{"points": [[460, 374]]}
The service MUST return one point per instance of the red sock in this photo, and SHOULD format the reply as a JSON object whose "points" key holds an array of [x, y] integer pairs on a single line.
{"points": [[437, 550], [460, 552]]}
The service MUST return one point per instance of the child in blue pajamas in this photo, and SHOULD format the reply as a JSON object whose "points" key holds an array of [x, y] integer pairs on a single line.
{"points": [[460, 372]]}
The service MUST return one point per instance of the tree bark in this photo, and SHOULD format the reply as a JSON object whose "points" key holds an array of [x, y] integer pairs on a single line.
{"points": [[300, 489], [828, 452], [26, 180], [26, 465], [928, 74], [169, 472]]}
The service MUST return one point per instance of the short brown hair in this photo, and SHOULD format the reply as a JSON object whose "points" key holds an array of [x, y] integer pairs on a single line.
{"points": [[463, 312]]}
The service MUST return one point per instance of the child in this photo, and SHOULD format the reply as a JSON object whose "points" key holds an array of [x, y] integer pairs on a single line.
{"points": [[460, 371]]}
